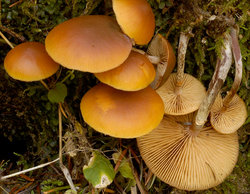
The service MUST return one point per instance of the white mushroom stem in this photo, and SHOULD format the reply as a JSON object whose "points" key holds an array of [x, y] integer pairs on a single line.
{"points": [[222, 67], [182, 49], [152, 59], [238, 67]]}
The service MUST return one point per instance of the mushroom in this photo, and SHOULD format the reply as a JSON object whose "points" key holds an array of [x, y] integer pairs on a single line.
{"points": [[182, 93], [136, 19], [93, 43], [160, 53], [120, 113], [185, 152], [185, 160], [29, 61], [229, 114], [136, 73]]}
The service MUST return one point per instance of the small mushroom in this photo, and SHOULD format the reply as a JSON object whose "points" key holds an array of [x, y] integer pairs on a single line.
{"points": [[136, 73], [228, 118], [183, 99], [120, 113], [29, 61], [136, 19], [161, 54], [229, 114], [92, 43], [182, 93]]}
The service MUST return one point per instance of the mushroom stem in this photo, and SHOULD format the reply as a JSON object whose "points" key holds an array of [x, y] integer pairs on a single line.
{"points": [[151, 58], [182, 49], [238, 67], [6, 40], [222, 67], [154, 59]]}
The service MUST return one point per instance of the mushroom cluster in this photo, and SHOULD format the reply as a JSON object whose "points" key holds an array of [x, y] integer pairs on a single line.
{"points": [[185, 150], [123, 105]]}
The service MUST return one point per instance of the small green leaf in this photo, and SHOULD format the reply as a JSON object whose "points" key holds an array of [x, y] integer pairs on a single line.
{"points": [[70, 191], [124, 167], [58, 93], [99, 172], [162, 5]]}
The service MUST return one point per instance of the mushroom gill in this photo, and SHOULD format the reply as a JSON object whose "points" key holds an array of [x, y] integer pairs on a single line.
{"points": [[187, 160], [227, 119], [183, 99]]}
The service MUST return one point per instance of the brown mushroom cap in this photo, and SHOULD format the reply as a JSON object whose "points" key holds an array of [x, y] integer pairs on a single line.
{"points": [[185, 100], [93, 43], [136, 19], [186, 161], [136, 73], [228, 119], [122, 114], [29, 61], [160, 47]]}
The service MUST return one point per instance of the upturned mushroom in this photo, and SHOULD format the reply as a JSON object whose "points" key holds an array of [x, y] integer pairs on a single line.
{"points": [[229, 114], [182, 93], [161, 54], [136, 73], [136, 19], [185, 151], [122, 114], [92, 43], [29, 61]]}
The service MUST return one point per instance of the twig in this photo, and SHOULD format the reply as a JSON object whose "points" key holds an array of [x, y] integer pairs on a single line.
{"points": [[27, 178], [119, 187], [14, 34], [4, 190], [63, 168], [28, 170], [12, 5], [134, 155], [44, 84], [60, 134], [23, 188], [6, 40], [59, 189], [62, 110], [120, 159], [138, 182]]}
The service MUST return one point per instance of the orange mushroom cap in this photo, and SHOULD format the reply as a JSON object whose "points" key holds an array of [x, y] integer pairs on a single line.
{"points": [[93, 43], [29, 61], [122, 114], [136, 73], [136, 19]]}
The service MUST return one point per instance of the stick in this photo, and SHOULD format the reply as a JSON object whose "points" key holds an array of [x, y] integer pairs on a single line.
{"points": [[63, 168], [6, 40], [28, 170]]}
